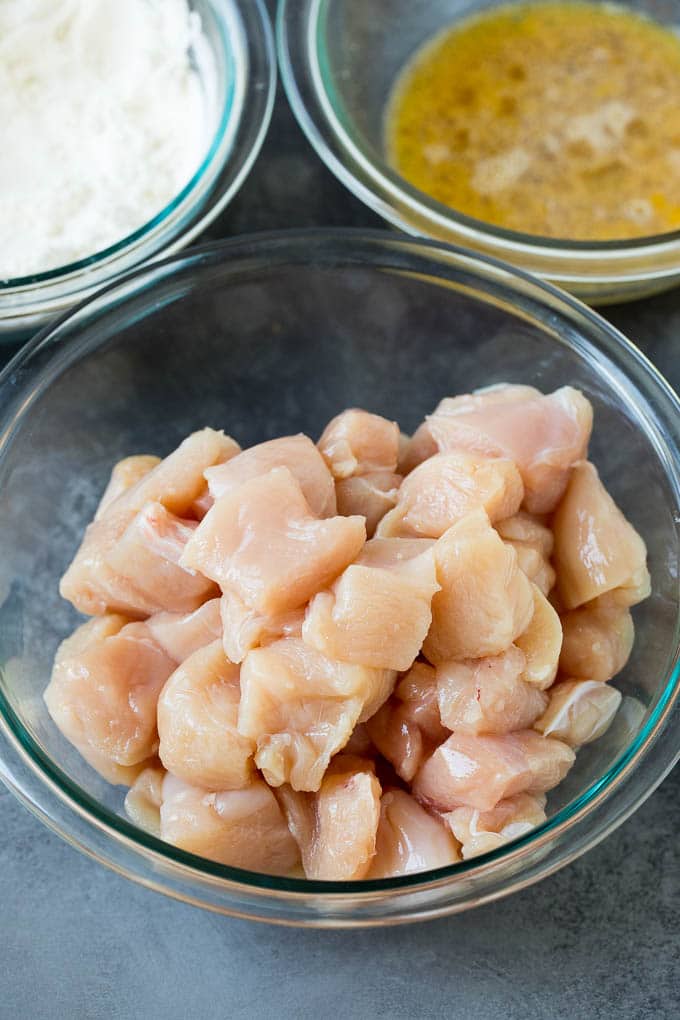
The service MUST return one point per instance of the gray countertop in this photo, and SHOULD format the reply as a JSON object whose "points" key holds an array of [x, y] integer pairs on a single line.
{"points": [[599, 939]]}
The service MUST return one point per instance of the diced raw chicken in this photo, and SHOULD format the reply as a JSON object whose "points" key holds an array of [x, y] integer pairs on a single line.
{"points": [[527, 529], [197, 719], [533, 542], [596, 549], [144, 798], [129, 562], [408, 727], [297, 453], [488, 695], [241, 828], [392, 525], [544, 435], [579, 711], [202, 504], [419, 447], [485, 600], [370, 496], [336, 828], [378, 611], [597, 641], [178, 480], [147, 557], [409, 839], [446, 487], [480, 832], [360, 744], [478, 771], [417, 692], [549, 759], [244, 628], [534, 564], [398, 739], [263, 542], [181, 634], [541, 643], [358, 443], [104, 690], [301, 708], [125, 474]]}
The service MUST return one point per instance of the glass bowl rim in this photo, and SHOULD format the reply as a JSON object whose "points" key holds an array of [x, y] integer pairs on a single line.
{"points": [[145, 242], [276, 248], [329, 122]]}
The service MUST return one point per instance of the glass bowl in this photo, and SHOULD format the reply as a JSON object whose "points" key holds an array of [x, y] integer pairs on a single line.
{"points": [[238, 77], [272, 334], [339, 60]]}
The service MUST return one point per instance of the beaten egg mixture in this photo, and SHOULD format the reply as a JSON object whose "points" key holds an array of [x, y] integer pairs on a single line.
{"points": [[556, 119]]}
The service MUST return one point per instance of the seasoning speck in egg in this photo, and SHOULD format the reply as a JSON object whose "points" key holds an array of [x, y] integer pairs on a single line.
{"points": [[555, 119]]}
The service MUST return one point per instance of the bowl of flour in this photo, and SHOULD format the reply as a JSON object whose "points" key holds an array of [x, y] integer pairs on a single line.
{"points": [[128, 125]]}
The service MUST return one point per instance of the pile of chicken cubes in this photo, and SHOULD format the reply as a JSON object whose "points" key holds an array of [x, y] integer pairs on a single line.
{"points": [[357, 658]]}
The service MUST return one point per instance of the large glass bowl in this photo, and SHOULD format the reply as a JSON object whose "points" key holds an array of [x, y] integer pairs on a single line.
{"points": [[339, 60], [237, 67], [274, 334]]}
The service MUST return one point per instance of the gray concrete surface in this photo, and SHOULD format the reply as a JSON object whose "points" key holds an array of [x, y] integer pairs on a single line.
{"points": [[599, 940]]}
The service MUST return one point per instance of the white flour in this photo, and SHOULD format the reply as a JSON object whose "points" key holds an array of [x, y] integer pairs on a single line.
{"points": [[101, 123]]}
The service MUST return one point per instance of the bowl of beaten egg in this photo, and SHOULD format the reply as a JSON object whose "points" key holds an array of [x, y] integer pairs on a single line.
{"points": [[128, 127], [335, 670], [542, 133]]}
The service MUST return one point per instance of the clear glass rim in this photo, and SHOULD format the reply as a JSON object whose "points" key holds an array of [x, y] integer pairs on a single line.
{"points": [[301, 56], [242, 126], [343, 248]]}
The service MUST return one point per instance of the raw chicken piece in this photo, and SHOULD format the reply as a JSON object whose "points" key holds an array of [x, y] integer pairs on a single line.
{"points": [[181, 634], [147, 556], [446, 487], [197, 717], [596, 549], [418, 448], [485, 600], [358, 443], [378, 611], [360, 744], [370, 496], [527, 529], [202, 504], [128, 562], [408, 727], [297, 453], [544, 435], [541, 643], [478, 771], [125, 474], [103, 693], [534, 564], [144, 798], [597, 641], [178, 480], [262, 542], [533, 542], [244, 628], [336, 828], [240, 828], [301, 708], [549, 759], [479, 832], [392, 525], [409, 839], [488, 695], [579, 712]]}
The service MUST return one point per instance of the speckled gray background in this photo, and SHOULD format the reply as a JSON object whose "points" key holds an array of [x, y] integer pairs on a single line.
{"points": [[599, 940]]}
